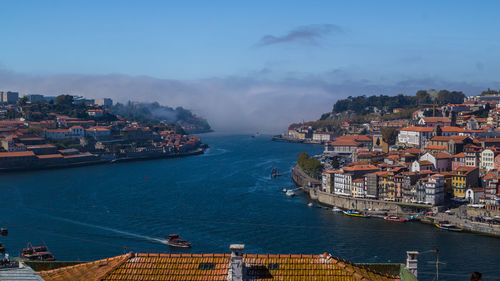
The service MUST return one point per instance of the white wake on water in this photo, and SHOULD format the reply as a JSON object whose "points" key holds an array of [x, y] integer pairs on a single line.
{"points": [[126, 233]]}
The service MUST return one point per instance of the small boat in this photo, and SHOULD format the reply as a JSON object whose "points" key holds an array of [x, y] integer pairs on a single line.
{"points": [[354, 213], [39, 253], [2, 248], [275, 173], [310, 204], [394, 218], [284, 190], [448, 226], [336, 209], [290, 193], [174, 241], [4, 231]]}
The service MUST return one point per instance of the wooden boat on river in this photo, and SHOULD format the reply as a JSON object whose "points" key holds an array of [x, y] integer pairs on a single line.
{"points": [[447, 226], [174, 241], [354, 213], [40, 253], [394, 219]]}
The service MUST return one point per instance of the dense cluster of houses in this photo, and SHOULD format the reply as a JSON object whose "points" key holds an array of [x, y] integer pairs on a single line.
{"points": [[435, 159], [67, 140]]}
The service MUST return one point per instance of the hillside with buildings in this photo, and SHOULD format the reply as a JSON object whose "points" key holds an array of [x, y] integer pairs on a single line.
{"points": [[45, 132], [446, 159]]}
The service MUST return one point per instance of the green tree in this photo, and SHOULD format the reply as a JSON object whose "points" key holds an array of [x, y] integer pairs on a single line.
{"points": [[303, 156], [23, 101], [64, 100], [389, 135], [423, 97]]}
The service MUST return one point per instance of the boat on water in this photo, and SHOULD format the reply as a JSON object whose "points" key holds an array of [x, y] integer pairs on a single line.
{"points": [[394, 219], [174, 241], [2, 248], [40, 253], [4, 231], [310, 204], [354, 213], [284, 190], [336, 209], [290, 193], [448, 226], [275, 173]]}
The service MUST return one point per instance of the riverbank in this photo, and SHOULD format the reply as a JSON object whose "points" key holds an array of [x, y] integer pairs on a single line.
{"points": [[379, 208], [281, 138], [98, 160], [224, 196]]}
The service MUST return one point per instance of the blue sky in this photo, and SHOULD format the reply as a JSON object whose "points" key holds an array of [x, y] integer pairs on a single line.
{"points": [[198, 39], [292, 58]]}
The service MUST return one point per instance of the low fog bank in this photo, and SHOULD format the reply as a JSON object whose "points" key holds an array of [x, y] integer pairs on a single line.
{"points": [[231, 104]]}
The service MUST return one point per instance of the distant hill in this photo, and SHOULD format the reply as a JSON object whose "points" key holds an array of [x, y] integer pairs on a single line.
{"points": [[365, 105], [154, 112], [363, 109]]}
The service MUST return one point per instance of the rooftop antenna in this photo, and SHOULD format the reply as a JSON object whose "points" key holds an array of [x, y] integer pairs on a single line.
{"points": [[436, 262]]}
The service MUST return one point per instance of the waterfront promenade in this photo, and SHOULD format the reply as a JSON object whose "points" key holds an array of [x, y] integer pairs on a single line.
{"points": [[377, 207]]}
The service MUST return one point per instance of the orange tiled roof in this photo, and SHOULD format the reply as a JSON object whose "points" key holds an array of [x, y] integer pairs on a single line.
{"points": [[17, 154], [451, 129], [87, 271], [413, 150], [215, 267], [448, 138], [418, 129], [436, 119], [345, 143], [436, 147], [442, 155], [360, 168], [49, 156]]}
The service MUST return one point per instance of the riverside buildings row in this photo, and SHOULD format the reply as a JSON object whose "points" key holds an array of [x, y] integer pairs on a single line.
{"points": [[434, 160], [57, 140]]}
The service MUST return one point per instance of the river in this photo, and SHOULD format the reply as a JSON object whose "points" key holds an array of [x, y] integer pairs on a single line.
{"points": [[224, 196]]}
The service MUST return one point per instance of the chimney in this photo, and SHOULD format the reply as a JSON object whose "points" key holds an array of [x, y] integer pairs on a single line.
{"points": [[412, 262], [236, 269]]}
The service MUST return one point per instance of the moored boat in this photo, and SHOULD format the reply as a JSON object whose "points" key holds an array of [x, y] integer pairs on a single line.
{"points": [[290, 193], [336, 209], [448, 226], [310, 204], [394, 218], [174, 241], [2, 248], [354, 213], [40, 253], [4, 231]]}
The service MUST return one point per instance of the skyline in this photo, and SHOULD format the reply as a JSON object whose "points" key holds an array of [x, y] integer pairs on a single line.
{"points": [[222, 58]]}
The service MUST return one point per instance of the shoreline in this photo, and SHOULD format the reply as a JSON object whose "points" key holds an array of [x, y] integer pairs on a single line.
{"points": [[332, 200], [280, 138], [197, 151]]}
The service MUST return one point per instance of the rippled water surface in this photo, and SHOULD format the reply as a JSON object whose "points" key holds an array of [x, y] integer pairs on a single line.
{"points": [[224, 196]]}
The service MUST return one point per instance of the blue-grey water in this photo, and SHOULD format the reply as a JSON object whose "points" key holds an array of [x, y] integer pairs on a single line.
{"points": [[222, 197]]}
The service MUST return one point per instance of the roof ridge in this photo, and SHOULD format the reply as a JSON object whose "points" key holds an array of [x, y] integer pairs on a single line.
{"points": [[56, 270], [124, 260]]}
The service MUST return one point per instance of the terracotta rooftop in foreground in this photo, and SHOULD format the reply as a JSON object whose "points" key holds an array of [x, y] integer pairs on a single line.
{"points": [[215, 267]]}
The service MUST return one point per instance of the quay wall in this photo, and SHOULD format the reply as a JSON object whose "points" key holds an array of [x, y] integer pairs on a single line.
{"points": [[94, 160], [302, 181]]}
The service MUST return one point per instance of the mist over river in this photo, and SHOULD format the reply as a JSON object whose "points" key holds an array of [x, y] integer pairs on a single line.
{"points": [[224, 196]]}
